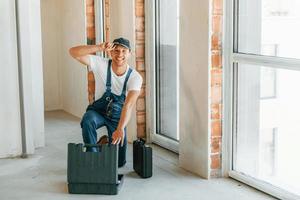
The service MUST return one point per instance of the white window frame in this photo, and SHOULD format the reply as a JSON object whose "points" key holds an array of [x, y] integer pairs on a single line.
{"points": [[99, 22], [229, 99], [150, 40]]}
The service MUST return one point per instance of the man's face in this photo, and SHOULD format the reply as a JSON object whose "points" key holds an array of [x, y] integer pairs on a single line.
{"points": [[120, 55]]}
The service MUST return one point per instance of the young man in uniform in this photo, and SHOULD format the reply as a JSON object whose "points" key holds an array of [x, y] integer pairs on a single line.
{"points": [[117, 87]]}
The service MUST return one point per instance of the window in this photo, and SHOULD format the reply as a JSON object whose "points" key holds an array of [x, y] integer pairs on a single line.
{"points": [[265, 22], [263, 108], [267, 83], [167, 67], [162, 54], [99, 22]]}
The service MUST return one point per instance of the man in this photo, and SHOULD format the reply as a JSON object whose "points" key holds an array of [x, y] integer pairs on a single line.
{"points": [[117, 87]]}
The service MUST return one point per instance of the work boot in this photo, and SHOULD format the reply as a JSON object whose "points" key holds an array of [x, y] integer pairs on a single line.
{"points": [[103, 140]]}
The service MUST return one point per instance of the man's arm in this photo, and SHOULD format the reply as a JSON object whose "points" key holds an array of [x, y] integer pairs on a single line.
{"points": [[81, 53], [118, 135]]}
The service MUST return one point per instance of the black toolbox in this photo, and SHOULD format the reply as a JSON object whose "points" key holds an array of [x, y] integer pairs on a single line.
{"points": [[93, 172], [142, 158]]}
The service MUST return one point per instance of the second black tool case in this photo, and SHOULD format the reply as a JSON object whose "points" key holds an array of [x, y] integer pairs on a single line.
{"points": [[142, 158]]}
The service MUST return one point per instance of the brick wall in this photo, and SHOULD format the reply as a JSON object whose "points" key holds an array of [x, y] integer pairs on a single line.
{"points": [[216, 88], [91, 38], [107, 20], [140, 66]]}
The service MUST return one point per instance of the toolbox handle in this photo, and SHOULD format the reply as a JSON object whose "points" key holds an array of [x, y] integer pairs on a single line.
{"points": [[95, 145], [92, 145], [99, 146], [141, 140]]}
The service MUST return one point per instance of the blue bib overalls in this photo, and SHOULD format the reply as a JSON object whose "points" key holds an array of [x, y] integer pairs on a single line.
{"points": [[105, 111]]}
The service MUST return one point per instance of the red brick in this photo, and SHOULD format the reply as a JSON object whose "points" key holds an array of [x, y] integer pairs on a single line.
{"points": [[216, 111], [106, 10], [143, 92], [141, 117], [216, 77], [140, 65], [216, 128], [140, 51], [140, 36], [140, 24], [90, 23], [90, 10], [107, 24], [139, 10], [91, 87], [143, 74], [91, 32], [215, 161], [217, 24], [216, 145], [216, 41], [216, 94], [218, 7], [216, 87], [90, 2], [216, 59], [140, 104]]}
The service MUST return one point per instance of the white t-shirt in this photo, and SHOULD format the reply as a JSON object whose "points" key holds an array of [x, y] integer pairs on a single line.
{"points": [[98, 65]]}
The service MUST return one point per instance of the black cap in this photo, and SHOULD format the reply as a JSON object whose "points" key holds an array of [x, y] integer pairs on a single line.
{"points": [[123, 42]]}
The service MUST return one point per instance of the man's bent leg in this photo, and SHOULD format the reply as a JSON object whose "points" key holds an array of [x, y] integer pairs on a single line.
{"points": [[122, 149], [90, 122]]}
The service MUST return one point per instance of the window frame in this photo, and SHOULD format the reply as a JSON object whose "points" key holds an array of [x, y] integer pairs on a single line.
{"points": [[151, 78], [99, 22], [231, 58]]}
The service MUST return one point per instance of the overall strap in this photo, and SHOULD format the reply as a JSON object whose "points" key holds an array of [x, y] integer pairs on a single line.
{"points": [[108, 76], [126, 80]]}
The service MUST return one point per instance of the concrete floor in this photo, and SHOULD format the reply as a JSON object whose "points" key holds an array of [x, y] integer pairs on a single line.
{"points": [[43, 176]]}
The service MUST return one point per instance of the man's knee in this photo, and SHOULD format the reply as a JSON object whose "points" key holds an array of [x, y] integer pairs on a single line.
{"points": [[88, 120]]}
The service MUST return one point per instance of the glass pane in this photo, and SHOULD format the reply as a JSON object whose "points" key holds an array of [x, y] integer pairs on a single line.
{"points": [[269, 27], [167, 68], [267, 82], [268, 129]]}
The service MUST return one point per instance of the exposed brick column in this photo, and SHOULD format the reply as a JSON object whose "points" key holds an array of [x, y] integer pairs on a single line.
{"points": [[107, 20], [90, 29], [90, 22], [216, 88], [140, 66]]}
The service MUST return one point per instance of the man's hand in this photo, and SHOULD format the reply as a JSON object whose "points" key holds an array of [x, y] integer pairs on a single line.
{"points": [[118, 136], [81, 52], [107, 46]]}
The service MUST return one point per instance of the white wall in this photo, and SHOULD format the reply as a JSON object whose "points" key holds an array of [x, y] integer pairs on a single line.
{"points": [[194, 126], [10, 126], [30, 56], [37, 73], [65, 78], [122, 24], [51, 35], [74, 74]]}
